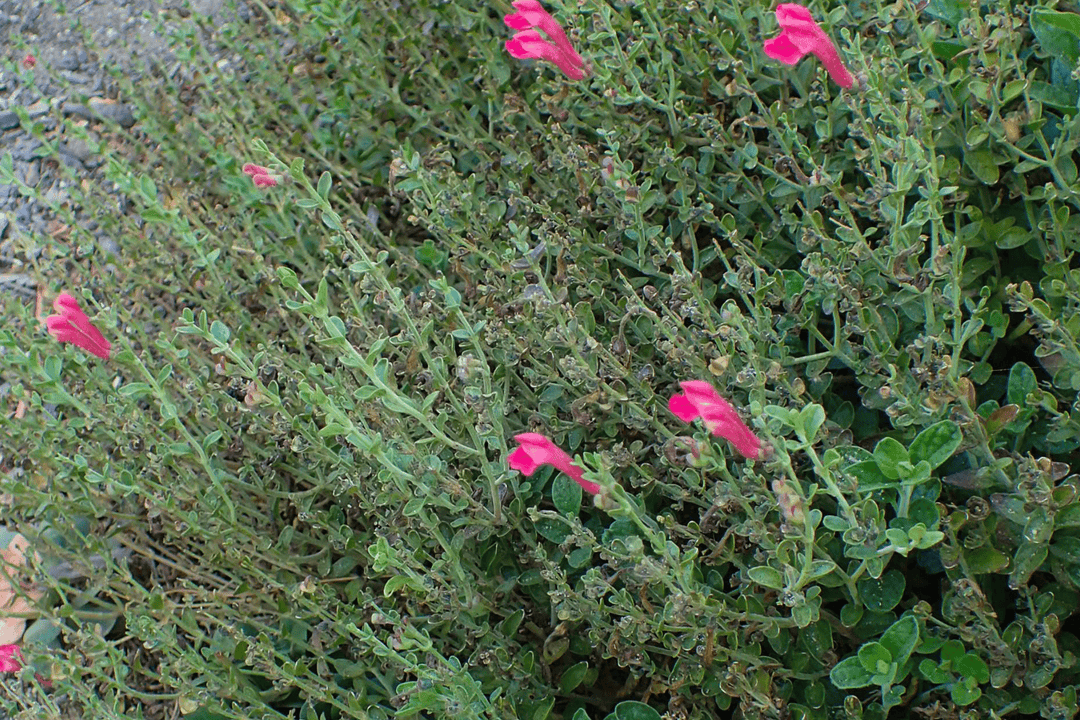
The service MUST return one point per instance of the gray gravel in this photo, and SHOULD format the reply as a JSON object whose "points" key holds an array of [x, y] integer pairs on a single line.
{"points": [[69, 83]]}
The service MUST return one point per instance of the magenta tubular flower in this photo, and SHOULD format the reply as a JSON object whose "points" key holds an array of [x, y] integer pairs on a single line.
{"points": [[72, 326], [702, 401], [528, 43], [536, 450], [260, 176], [10, 658], [800, 36], [29, 61]]}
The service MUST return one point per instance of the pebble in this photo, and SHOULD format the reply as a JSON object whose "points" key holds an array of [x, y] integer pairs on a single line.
{"points": [[37, 109], [101, 109], [68, 61], [32, 174], [77, 148], [19, 284]]}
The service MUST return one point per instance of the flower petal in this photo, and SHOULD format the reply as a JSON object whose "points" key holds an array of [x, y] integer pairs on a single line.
{"points": [[781, 48]]}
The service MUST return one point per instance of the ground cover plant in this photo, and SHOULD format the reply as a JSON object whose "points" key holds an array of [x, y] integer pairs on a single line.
{"points": [[803, 348]]}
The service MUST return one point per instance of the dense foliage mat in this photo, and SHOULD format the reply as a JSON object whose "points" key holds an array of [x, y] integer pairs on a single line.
{"points": [[287, 493]]}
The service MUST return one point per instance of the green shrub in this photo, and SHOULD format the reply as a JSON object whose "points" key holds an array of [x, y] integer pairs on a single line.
{"points": [[291, 483]]}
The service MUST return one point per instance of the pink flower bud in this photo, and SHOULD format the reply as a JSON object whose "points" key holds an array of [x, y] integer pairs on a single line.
{"points": [[29, 61], [800, 36], [10, 658], [536, 450], [72, 326], [529, 43], [261, 176], [791, 505], [702, 401]]}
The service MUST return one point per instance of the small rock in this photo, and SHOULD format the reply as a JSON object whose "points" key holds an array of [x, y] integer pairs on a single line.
{"points": [[56, 195], [70, 161], [8, 120], [19, 285], [78, 110], [77, 147], [25, 149], [108, 245], [37, 109], [101, 109], [32, 174], [68, 61], [4, 222], [111, 110]]}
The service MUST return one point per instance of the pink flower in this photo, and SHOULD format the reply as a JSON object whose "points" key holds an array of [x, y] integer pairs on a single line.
{"points": [[261, 176], [10, 658], [529, 43], [72, 326], [536, 450], [29, 61], [702, 401], [800, 35]]}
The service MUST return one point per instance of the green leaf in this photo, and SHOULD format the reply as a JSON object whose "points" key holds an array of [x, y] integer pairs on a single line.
{"points": [[810, 420], [43, 631], [880, 595], [965, 692], [951, 11], [835, 523], [820, 568], [972, 666], [873, 656], [634, 710], [1027, 560], [543, 709], [566, 494], [986, 559], [288, 278], [1013, 238], [888, 454], [892, 697], [149, 190], [331, 219], [324, 184], [851, 614], [869, 474], [204, 714], [321, 296], [136, 389], [817, 638], [767, 576], [934, 672], [1068, 516], [981, 163], [554, 530], [849, 674], [1022, 382], [220, 331], [52, 367], [509, 626], [936, 444], [1058, 33], [901, 638], [573, 676]]}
